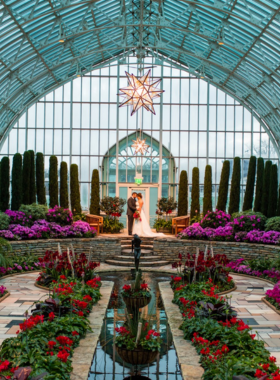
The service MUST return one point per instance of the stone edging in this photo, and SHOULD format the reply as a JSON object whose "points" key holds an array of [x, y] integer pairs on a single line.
{"points": [[188, 358], [5, 296], [228, 291], [83, 354], [270, 305], [249, 276], [18, 274], [42, 287]]}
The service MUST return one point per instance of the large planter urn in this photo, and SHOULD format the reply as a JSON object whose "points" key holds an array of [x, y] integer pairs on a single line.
{"points": [[136, 302], [138, 356]]}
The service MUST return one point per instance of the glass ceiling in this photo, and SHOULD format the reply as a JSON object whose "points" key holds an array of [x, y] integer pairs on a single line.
{"points": [[233, 44]]}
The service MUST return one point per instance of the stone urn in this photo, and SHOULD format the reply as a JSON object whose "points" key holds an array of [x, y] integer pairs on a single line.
{"points": [[138, 356], [136, 302]]}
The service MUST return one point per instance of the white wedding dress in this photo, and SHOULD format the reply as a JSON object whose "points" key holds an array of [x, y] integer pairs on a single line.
{"points": [[142, 228]]}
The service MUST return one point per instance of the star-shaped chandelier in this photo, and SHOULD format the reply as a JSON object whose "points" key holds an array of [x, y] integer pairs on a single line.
{"points": [[140, 146], [140, 92]]}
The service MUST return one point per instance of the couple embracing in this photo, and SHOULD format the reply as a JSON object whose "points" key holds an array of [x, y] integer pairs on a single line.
{"points": [[139, 226]]}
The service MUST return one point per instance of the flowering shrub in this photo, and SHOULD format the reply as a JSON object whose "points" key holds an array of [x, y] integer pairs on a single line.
{"points": [[273, 295], [60, 215], [132, 291], [34, 211], [3, 290], [248, 223], [18, 217], [242, 266], [214, 219]]}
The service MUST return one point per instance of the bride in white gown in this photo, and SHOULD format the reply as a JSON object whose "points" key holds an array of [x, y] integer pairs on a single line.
{"points": [[142, 227]]}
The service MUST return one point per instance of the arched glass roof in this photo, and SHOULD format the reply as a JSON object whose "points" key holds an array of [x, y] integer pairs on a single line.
{"points": [[234, 44]]}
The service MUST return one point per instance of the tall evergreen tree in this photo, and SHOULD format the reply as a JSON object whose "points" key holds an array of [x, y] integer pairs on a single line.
{"points": [[40, 179], [183, 194], [64, 197], [265, 187], [75, 190], [223, 187], [95, 193], [273, 186], [250, 185], [53, 182], [16, 182], [5, 183], [32, 196], [195, 205], [26, 168], [259, 185], [207, 199], [234, 199]]}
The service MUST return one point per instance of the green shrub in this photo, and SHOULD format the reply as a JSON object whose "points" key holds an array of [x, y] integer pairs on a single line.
{"points": [[183, 194], [265, 188], [112, 206], [223, 187], [207, 199], [112, 225], [40, 179], [273, 186], [273, 224], [64, 196], [81, 217], [259, 185], [35, 211], [234, 199], [249, 192], [248, 223], [5, 183], [75, 190], [249, 212], [53, 182], [166, 205], [161, 223], [16, 182], [32, 198], [4, 221], [60, 215], [26, 167], [94, 208], [195, 206]]}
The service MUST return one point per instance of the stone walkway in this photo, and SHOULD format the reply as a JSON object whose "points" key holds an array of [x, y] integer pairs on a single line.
{"points": [[246, 299]]}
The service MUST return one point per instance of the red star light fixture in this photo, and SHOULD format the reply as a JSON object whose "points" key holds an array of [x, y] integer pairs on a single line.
{"points": [[140, 92]]}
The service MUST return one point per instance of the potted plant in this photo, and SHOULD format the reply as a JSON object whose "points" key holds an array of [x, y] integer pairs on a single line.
{"points": [[162, 225], [136, 295], [113, 208], [166, 206]]}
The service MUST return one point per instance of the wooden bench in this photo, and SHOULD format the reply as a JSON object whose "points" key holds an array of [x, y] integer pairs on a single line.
{"points": [[95, 221], [180, 223]]}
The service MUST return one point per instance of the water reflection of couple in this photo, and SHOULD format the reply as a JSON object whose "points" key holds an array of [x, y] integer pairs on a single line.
{"points": [[141, 225]]}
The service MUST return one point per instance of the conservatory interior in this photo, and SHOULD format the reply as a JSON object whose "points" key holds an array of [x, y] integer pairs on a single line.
{"points": [[139, 189]]}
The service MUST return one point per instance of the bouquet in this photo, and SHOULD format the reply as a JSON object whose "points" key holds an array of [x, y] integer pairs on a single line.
{"points": [[136, 215]]}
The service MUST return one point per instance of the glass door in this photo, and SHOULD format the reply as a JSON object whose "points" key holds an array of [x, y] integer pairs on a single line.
{"points": [[145, 194]]}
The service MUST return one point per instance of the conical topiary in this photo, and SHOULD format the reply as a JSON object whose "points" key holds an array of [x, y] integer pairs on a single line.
{"points": [[32, 188], [16, 182], [250, 185], [234, 199], [75, 190], [207, 199], [183, 194], [40, 179], [273, 186], [265, 188], [26, 167], [5, 183], [259, 185], [53, 182], [195, 205], [64, 197], [223, 187], [94, 196]]}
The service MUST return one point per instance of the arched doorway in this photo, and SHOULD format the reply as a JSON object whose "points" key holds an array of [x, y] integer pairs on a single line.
{"points": [[156, 166]]}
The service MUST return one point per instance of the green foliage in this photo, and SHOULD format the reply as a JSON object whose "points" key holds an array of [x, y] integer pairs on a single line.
{"points": [[26, 169], [75, 190], [112, 206], [35, 211], [161, 223], [40, 179], [32, 198], [273, 187], [5, 183], [273, 224], [16, 182], [95, 196], [259, 185], [207, 199], [53, 182], [249, 192], [5, 251], [112, 225], [4, 221], [166, 205], [64, 197], [265, 187], [223, 188], [183, 194], [234, 199], [79, 217], [195, 206]]}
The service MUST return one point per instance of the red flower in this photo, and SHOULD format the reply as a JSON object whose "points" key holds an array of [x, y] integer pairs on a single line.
{"points": [[62, 277], [265, 366], [80, 314], [127, 288], [51, 344], [74, 333], [272, 359], [144, 286], [51, 316], [64, 340], [225, 349], [87, 298], [63, 355]]}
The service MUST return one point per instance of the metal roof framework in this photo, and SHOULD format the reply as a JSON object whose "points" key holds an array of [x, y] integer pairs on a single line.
{"points": [[233, 44]]}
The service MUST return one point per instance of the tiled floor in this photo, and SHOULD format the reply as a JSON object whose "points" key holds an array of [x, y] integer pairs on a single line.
{"points": [[246, 299]]}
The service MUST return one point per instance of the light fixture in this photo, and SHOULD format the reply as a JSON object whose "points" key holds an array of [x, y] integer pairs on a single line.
{"points": [[221, 37], [202, 72], [140, 92], [140, 146], [78, 72], [61, 37]]}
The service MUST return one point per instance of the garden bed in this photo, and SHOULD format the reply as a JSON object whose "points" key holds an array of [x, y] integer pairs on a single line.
{"points": [[6, 295], [270, 305]]}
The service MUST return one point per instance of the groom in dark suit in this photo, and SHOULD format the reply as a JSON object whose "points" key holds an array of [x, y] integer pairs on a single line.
{"points": [[131, 208]]}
